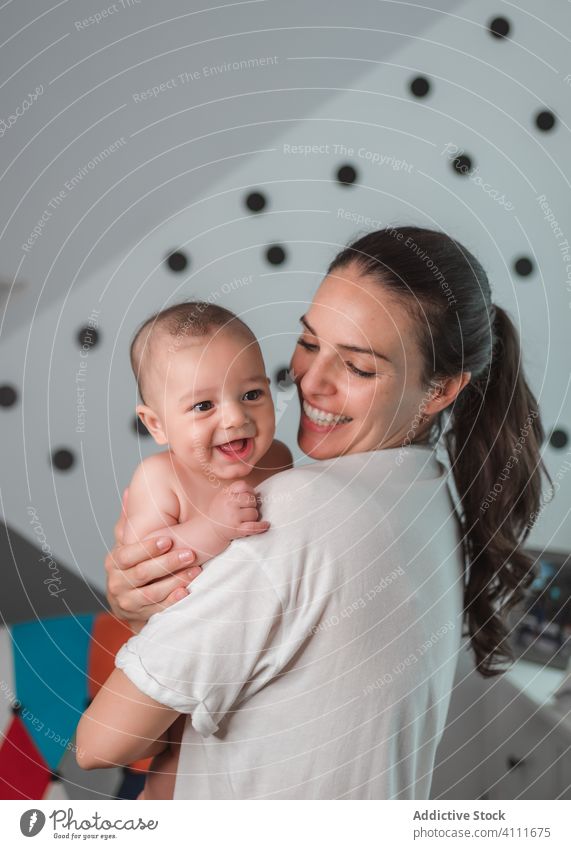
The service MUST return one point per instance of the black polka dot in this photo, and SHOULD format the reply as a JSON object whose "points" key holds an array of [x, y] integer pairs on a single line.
{"points": [[346, 175], [283, 378], [559, 438], [88, 337], [420, 87], [55, 776], [17, 707], [139, 427], [499, 27], [63, 459], [523, 266], [545, 120], [256, 201], [177, 261], [462, 165], [8, 396], [275, 255]]}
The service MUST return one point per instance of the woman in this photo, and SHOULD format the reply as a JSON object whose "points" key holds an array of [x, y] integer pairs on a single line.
{"points": [[322, 654]]}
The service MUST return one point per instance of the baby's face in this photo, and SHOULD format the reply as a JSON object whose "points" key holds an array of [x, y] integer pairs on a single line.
{"points": [[210, 401]]}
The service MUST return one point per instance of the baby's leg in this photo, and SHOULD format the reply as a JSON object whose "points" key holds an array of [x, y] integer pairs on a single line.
{"points": [[162, 772]]}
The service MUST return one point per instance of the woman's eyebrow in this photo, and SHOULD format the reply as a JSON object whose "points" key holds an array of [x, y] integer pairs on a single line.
{"points": [[354, 348]]}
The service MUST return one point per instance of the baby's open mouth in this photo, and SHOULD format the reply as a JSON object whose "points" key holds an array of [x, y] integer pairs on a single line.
{"points": [[237, 449]]}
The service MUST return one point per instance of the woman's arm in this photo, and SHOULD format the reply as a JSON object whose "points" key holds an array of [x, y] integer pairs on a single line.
{"points": [[121, 725], [147, 576], [109, 729]]}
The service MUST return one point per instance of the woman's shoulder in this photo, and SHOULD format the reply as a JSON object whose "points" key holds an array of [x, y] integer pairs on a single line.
{"points": [[346, 464], [287, 482], [298, 488], [346, 476]]}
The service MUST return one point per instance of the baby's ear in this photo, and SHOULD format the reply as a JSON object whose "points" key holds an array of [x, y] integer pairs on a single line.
{"points": [[152, 423]]}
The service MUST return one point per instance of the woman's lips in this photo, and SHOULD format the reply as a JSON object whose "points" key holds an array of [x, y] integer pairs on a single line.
{"points": [[238, 449], [309, 425]]}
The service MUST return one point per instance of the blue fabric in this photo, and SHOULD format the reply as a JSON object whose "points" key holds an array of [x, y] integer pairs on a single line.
{"points": [[133, 783], [50, 667]]}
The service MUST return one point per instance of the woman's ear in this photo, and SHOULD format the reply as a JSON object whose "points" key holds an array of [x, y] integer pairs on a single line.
{"points": [[152, 423], [445, 391]]}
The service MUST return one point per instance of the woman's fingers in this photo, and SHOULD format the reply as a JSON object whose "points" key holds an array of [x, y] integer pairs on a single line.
{"points": [[125, 556], [138, 599], [140, 579], [179, 592], [139, 603], [151, 609], [131, 597], [119, 580], [158, 567]]}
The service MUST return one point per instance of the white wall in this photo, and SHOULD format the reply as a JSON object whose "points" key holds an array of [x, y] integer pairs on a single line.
{"points": [[190, 156]]}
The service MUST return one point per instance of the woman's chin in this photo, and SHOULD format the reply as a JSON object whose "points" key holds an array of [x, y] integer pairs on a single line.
{"points": [[317, 447]]}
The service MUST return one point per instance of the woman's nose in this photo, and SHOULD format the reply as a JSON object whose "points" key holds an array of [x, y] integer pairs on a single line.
{"points": [[317, 380]]}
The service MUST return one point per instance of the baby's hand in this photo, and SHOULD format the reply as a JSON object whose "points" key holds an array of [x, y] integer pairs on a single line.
{"points": [[234, 511]]}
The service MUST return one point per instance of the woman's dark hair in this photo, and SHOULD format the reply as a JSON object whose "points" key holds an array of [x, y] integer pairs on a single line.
{"points": [[492, 431]]}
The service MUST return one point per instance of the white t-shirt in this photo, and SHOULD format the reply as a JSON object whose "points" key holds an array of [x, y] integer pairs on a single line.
{"points": [[316, 660]]}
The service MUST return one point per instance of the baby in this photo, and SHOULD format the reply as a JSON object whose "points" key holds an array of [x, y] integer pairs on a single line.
{"points": [[205, 395]]}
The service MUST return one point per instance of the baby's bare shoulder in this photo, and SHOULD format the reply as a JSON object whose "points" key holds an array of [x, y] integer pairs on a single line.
{"points": [[157, 468], [277, 458]]}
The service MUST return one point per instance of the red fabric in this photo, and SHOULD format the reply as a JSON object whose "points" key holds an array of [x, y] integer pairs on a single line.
{"points": [[23, 772]]}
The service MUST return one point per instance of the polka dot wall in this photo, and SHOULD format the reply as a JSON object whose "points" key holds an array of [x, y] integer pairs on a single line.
{"points": [[165, 181]]}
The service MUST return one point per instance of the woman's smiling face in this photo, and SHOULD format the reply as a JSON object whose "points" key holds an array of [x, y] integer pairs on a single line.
{"points": [[357, 359]]}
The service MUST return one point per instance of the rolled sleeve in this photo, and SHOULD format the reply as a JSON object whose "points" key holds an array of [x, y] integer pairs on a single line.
{"points": [[132, 665]]}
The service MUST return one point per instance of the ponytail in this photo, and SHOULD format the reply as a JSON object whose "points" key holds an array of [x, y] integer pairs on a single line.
{"points": [[494, 447], [494, 433]]}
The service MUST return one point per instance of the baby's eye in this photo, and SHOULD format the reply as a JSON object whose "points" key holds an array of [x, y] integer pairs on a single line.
{"points": [[256, 392], [204, 405]]}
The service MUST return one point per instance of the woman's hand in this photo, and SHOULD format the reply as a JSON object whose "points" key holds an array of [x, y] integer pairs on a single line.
{"points": [[145, 577]]}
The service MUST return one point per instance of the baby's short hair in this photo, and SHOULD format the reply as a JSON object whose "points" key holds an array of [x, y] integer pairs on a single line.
{"points": [[183, 320]]}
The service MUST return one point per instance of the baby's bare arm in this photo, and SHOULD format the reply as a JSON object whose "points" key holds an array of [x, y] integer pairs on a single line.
{"points": [[152, 504], [233, 513], [153, 510]]}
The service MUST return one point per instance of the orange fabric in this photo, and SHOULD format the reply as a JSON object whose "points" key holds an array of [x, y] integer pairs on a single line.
{"points": [[142, 765], [107, 637]]}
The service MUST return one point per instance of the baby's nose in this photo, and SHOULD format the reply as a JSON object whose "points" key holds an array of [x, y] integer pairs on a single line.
{"points": [[233, 415]]}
